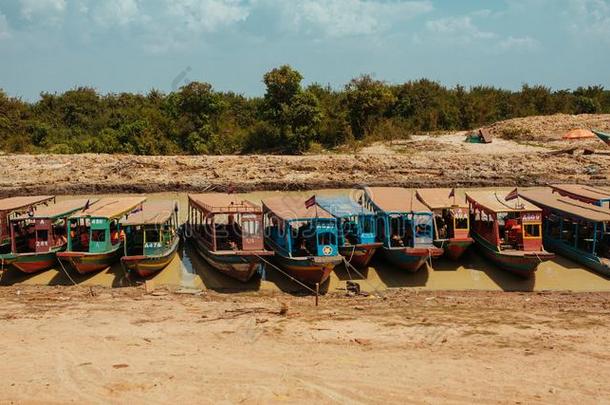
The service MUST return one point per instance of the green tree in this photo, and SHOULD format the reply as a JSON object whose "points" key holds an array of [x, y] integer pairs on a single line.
{"points": [[367, 101]]}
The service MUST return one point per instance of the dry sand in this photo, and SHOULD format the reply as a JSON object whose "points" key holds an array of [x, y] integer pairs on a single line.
{"points": [[97, 345]]}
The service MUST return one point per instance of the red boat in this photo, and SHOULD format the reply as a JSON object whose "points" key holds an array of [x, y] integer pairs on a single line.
{"points": [[451, 221]]}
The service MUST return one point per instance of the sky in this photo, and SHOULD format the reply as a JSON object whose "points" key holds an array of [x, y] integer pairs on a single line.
{"points": [[138, 45]]}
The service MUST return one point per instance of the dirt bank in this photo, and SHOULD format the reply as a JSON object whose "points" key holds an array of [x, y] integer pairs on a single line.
{"points": [[99, 345]]}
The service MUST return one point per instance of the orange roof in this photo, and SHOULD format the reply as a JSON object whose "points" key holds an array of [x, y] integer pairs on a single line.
{"points": [[579, 134], [395, 199], [111, 207], [218, 203], [153, 213], [17, 203], [438, 198], [291, 208]]}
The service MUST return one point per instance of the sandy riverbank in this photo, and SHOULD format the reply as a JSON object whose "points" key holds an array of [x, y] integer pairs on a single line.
{"points": [[98, 345]]}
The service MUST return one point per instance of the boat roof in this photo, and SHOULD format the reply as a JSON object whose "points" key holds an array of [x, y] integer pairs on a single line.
{"points": [[569, 206], [438, 198], [342, 206], [494, 201], [15, 203], [111, 207], [590, 192], [58, 210], [219, 203], [292, 208], [152, 213], [395, 199]]}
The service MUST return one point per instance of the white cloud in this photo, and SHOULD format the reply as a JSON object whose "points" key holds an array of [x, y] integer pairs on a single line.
{"points": [[591, 18], [337, 18], [208, 15], [460, 29], [115, 12], [4, 28], [519, 43], [50, 10]]}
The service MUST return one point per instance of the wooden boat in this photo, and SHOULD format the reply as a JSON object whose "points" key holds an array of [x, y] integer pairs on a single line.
{"points": [[37, 237], [304, 239], [356, 229], [589, 194], [14, 207], [574, 229], [507, 232], [95, 237], [405, 226], [451, 220], [151, 238], [227, 231], [603, 136]]}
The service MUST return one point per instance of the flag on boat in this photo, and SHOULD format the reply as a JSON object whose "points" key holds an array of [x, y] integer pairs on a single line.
{"points": [[452, 193], [512, 195], [230, 189], [311, 201], [87, 205]]}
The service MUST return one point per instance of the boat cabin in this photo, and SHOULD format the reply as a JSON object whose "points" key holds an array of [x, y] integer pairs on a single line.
{"points": [[43, 230], [97, 229], [13, 207], [152, 230], [293, 230], [450, 212], [225, 222], [402, 220], [507, 225], [573, 223], [356, 224], [592, 195]]}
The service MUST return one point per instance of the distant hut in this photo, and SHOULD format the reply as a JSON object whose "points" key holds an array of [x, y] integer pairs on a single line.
{"points": [[578, 134], [481, 136]]}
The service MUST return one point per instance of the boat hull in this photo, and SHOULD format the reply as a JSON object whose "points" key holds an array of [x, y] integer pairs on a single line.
{"points": [[523, 263], [241, 267], [411, 259], [85, 263], [359, 256], [31, 262], [454, 248], [309, 270], [603, 136], [586, 259], [146, 266]]}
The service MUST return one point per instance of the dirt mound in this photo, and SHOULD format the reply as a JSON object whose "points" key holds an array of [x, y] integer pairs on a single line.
{"points": [[548, 127]]}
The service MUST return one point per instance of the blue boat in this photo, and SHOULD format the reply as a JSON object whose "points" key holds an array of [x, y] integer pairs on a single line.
{"points": [[574, 229], [304, 238], [356, 229], [589, 194], [405, 226]]}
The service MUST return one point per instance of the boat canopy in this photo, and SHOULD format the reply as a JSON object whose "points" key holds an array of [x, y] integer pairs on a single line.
{"points": [[395, 199], [17, 203], [342, 206], [111, 207], [495, 202], [293, 208], [153, 213], [439, 199], [566, 205], [593, 194], [218, 203], [58, 210]]}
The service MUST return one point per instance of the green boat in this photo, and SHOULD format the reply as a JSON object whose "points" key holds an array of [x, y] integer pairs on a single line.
{"points": [[151, 238], [603, 136], [38, 236], [95, 237]]}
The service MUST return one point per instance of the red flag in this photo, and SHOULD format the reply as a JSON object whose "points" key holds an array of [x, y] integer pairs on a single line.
{"points": [[512, 195], [230, 189], [452, 193], [311, 201]]}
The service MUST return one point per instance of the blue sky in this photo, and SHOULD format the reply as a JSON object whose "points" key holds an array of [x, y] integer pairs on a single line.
{"points": [[136, 45]]}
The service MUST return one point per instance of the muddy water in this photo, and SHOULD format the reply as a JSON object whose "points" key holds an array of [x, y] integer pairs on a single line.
{"points": [[189, 271]]}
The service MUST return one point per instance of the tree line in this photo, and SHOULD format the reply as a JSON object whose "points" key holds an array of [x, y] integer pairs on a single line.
{"points": [[289, 118]]}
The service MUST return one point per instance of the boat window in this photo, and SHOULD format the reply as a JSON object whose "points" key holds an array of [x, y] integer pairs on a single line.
{"points": [[327, 238], [532, 230], [250, 228], [367, 225], [152, 235], [461, 223], [42, 235], [98, 235]]}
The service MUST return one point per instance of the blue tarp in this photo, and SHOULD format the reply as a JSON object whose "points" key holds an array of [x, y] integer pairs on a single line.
{"points": [[342, 206]]}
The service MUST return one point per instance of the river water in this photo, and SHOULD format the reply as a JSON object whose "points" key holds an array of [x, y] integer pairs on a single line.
{"points": [[472, 272]]}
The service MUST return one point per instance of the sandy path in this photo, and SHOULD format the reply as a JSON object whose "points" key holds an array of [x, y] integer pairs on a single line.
{"points": [[64, 344]]}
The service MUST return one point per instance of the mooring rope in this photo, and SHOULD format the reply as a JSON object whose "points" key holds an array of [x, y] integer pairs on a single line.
{"points": [[66, 272], [286, 274]]}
